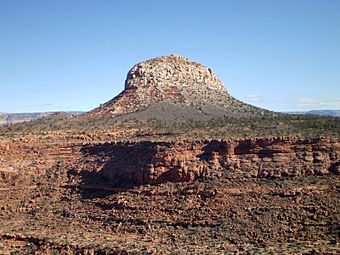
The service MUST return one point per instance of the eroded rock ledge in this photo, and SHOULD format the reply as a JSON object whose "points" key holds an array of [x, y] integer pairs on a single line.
{"points": [[156, 162]]}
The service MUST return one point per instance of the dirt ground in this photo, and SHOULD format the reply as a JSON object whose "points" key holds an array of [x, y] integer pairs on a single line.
{"points": [[55, 213]]}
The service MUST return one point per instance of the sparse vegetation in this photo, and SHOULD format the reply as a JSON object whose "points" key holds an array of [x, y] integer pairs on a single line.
{"points": [[267, 125]]}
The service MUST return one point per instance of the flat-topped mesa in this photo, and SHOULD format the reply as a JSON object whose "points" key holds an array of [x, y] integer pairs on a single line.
{"points": [[170, 71], [178, 85]]}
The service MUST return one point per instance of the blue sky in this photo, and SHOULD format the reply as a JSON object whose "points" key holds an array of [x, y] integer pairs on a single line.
{"points": [[74, 54]]}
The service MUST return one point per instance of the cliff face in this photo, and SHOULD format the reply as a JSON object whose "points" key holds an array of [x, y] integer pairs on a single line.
{"points": [[147, 162], [157, 162]]}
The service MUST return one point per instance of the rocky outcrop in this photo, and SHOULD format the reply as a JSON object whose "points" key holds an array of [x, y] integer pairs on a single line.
{"points": [[148, 162], [26, 158], [177, 80], [157, 162], [172, 70]]}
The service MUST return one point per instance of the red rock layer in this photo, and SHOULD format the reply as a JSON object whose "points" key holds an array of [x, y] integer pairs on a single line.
{"points": [[157, 162]]}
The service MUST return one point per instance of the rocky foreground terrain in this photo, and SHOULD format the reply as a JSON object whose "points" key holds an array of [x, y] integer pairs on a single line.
{"points": [[201, 197], [138, 176]]}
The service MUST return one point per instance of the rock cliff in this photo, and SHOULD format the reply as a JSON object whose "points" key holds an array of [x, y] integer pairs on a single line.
{"points": [[148, 162], [157, 162]]}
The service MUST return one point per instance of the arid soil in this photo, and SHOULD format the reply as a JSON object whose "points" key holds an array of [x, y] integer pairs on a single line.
{"points": [[60, 194]]}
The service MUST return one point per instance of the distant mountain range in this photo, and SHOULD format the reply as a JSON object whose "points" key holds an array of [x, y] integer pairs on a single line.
{"points": [[11, 118], [334, 113]]}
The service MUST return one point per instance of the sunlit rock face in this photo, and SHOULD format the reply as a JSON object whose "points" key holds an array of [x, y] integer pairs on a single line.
{"points": [[174, 82], [172, 71]]}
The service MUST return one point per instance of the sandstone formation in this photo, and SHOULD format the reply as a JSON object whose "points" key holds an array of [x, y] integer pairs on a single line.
{"points": [[174, 80], [147, 162], [157, 162]]}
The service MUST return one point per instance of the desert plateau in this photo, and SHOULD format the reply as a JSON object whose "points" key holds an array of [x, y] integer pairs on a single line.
{"points": [[172, 165]]}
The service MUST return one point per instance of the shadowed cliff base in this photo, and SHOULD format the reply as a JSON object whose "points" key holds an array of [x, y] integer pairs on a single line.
{"points": [[124, 165]]}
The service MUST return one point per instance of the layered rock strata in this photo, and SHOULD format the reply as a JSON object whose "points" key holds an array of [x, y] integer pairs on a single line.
{"points": [[177, 80], [147, 162], [157, 162]]}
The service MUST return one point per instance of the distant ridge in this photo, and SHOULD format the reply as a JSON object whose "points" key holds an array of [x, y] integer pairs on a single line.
{"points": [[12, 118], [334, 113]]}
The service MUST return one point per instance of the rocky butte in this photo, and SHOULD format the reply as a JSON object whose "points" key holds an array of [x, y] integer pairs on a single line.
{"points": [[109, 182], [189, 88]]}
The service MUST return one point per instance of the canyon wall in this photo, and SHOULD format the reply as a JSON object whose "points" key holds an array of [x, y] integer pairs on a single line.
{"points": [[157, 162], [148, 162]]}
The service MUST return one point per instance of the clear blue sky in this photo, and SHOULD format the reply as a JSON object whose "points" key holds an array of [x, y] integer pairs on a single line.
{"points": [[74, 54]]}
